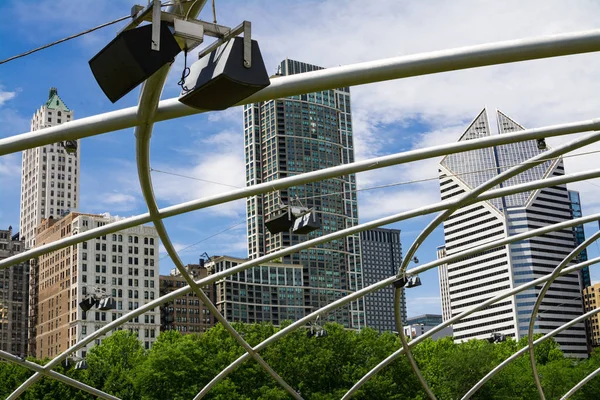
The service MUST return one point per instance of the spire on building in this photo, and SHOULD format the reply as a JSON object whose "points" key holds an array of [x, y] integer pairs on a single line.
{"points": [[55, 102]]}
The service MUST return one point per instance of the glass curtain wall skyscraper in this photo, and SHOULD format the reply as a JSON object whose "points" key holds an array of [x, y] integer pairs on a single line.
{"points": [[293, 135], [478, 277]]}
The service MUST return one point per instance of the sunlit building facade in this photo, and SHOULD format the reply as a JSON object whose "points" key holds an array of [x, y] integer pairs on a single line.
{"points": [[49, 175], [478, 277], [122, 266]]}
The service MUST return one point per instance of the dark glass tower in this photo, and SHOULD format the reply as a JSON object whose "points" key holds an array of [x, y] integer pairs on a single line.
{"points": [[579, 234], [289, 136], [381, 256]]}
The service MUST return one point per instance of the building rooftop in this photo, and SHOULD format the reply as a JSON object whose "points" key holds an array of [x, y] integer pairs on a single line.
{"points": [[55, 102]]}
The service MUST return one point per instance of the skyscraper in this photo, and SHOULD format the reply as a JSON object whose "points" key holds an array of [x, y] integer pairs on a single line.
{"points": [[49, 175], [13, 296], [289, 136], [381, 258], [481, 276], [579, 233]]}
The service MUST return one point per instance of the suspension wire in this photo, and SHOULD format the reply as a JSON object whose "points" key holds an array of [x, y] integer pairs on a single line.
{"points": [[206, 238], [389, 184], [65, 39], [194, 178], [78, 35]]}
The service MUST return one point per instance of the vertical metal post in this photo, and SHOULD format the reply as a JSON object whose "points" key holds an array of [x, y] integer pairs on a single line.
{"points": [[155, 25], [247, 44]]}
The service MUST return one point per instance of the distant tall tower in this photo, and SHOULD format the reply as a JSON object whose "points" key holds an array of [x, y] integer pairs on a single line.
{"points": [[381, 258], [444, 288], [290, 136], [476, 278], [579, 233], [49, 175]]}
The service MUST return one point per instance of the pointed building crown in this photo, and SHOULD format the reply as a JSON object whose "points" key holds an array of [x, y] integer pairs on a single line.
{"points": [[55, 102]]}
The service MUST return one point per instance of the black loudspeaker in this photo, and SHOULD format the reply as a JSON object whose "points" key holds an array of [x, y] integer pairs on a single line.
{"points": [[219, 79], [306, 223], [280, 222], [107, 303], [87, 304], [128, 60]]}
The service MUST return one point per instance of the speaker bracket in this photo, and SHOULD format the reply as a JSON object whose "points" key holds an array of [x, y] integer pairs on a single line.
{"points": [[245, 28]]}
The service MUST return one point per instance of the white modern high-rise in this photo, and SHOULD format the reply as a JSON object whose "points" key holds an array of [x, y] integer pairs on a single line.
{"points": [[481, 276], [49, 175]]}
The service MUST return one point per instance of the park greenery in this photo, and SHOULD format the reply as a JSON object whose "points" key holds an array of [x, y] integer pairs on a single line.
{"points": [[178, 366]]}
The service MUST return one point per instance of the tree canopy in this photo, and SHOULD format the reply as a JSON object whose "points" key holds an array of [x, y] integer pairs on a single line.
{"points": [[321, 368]]}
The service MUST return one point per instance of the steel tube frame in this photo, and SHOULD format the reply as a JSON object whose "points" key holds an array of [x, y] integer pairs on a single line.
{"points": [[580, 384], [58, 376], [462, 201], [361, 293], [381, 70], [331, 78], [525, 349], [460, 316], [308, 177], [213, 278], [538, 303], [150, 95]]}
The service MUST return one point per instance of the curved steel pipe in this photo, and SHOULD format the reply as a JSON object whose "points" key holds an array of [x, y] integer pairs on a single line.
{"points": [[538, 303], [457, 318], [59, 377], [580, 384], [463, 201], [217, 276], [332, 172], [424, 210], [148, 102], [331, 78], [525, 349]]}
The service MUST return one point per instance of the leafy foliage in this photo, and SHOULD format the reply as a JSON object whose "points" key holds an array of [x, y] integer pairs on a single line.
{"points": [[179, 366]]}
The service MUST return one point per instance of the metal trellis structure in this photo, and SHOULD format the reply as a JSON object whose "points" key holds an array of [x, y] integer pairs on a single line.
{"points": [[150, 110]]}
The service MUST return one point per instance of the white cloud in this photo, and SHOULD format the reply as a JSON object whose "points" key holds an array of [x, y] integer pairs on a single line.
{"points": [[381, 203], [5, 96], [535, 93], [217, 158]]}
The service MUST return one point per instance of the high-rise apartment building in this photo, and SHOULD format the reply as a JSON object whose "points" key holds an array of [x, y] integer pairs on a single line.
{"points": [[289, 136], [49, 175], [122, 266], [272, 292], [444, 288], [187, 313], [381, 258], [13, 296], [478, 277]]}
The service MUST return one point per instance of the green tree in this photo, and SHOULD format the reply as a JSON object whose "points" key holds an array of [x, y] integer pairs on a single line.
{"points": [[111, 364]]}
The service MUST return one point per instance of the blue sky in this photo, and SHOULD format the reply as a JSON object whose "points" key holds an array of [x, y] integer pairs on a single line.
{"points": [[388, 117]]}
